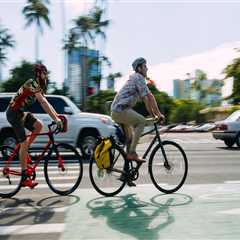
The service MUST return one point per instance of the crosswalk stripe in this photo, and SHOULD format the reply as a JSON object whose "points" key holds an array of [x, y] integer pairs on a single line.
{"points": [[57, 185], [34, 209], [43, 178], [32, 229], [232, 182]]}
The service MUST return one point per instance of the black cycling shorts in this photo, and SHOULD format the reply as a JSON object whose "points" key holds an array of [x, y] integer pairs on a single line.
{"points": [[19, 121]]}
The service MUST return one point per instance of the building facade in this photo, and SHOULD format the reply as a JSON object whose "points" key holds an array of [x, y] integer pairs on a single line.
{"points": [[182, 89], [84, 74]]}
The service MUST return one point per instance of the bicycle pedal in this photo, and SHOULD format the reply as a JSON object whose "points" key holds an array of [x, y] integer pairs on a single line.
{"points": [[131, 184]]}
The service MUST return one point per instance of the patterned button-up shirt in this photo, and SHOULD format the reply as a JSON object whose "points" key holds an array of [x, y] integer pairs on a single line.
{"points": [[133, 91]]}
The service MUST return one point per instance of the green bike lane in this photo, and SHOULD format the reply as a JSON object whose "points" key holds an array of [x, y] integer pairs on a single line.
{"points": [[208, 211]]}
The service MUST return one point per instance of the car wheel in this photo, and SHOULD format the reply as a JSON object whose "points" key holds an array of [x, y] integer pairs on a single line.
{"points": [[238, 139], [87, 144], [8, 139], [229, 142]]}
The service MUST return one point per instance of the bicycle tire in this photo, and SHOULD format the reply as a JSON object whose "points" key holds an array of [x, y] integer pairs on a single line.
{"points": [[163, 178], [12, 169], [72, 165], [105, 181]]}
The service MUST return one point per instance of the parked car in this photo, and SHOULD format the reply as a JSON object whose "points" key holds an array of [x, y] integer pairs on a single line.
{"points": [[228, 130], [83, 128]]}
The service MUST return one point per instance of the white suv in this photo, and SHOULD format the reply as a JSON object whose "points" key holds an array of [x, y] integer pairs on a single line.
{"points": [[83, 128]]}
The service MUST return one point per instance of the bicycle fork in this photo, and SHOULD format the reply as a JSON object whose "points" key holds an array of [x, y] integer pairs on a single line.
{"points": [[166, 163]]}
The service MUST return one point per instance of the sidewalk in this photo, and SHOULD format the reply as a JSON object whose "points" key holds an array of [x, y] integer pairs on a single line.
{"points": [[209, 211]]}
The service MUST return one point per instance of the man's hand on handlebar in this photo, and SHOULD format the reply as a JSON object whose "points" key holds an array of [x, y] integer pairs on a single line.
{"points": [[160, 118]]}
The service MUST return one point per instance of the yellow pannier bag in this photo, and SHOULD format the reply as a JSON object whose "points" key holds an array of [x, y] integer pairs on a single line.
{"points": [[102, 153]]}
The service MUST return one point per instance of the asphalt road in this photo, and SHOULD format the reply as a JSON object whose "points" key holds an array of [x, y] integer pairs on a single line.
{"points": [[41, 214]]}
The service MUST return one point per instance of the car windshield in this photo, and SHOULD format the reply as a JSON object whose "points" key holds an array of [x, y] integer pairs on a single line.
{"points": [[234, 116], [72, 105]]}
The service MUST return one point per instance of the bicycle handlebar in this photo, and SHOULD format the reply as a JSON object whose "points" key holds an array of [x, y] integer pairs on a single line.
{"points": [[56, 130]]}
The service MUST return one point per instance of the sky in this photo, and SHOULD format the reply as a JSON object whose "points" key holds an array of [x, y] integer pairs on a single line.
{"points": [[176, 37]]}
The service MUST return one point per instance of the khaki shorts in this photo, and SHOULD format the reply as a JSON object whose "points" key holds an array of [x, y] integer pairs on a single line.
{"points": [[19, 121]]}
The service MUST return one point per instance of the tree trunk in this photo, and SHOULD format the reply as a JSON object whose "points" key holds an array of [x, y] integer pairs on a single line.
{"points": [[37, 44]]}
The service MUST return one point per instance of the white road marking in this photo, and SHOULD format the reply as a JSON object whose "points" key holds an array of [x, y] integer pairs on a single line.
{"points": [[234, 211], [43, 178], [31, 229], [57, 185], [34, 209], [233, 182]]}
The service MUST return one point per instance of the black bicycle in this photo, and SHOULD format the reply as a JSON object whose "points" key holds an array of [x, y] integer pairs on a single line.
{"points": [[167, 166]]}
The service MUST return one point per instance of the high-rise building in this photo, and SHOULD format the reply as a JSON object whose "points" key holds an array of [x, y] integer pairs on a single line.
{"points": [[182, 89], [84, 73]]}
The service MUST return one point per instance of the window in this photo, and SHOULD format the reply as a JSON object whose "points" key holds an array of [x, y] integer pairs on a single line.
{"points": [[36, 108], [57, 103], [4, 103]]}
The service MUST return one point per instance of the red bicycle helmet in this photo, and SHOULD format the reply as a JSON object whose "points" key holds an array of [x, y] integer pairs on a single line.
{"points": [[39, 68]]}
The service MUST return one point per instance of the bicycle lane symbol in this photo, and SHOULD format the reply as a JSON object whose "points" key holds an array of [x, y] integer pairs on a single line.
{"points": [[133, 217]]}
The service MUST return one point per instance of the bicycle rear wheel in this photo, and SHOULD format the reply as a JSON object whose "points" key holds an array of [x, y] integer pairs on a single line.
{"points": [[63, 169], [107, 181], [168, 179], [10, 173]]}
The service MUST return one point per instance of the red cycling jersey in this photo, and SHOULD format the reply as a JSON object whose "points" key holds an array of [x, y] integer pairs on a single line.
{"points": [[25, 96]]}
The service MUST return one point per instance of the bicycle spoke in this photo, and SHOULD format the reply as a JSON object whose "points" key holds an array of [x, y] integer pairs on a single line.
{"points": [[169, 174], [107, 181], [63, 170], [10, 173]]}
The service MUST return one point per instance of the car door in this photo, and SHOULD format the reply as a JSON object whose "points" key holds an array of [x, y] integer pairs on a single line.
{"points": [[59, 105]]}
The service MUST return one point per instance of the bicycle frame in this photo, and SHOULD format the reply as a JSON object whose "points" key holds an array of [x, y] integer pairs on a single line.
{"points": [[156, 138], [31, 169]]}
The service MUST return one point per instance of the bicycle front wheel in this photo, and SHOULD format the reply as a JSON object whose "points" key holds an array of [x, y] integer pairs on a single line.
{"points": [[111, 181], [168, 176], [10, 172], [63, 169]]}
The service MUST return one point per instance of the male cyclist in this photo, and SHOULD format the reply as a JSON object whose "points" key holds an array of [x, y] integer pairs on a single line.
{"points": [[121, 109], [19, 117]]}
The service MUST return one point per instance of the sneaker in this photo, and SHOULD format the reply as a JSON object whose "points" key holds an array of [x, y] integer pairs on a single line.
{"points": [[29, 183], [134, 157]]}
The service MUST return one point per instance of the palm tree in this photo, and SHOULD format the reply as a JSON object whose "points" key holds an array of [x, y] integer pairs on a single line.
{"points": [[6, 41], [99, 24], [111, 79], [36, 12], [85, 31], [204, 88], [233, 70], [198, 85]]}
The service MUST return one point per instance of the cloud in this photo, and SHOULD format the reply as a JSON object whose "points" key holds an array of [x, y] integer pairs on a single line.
{"points": [[212, 62]]}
